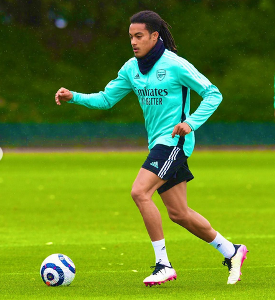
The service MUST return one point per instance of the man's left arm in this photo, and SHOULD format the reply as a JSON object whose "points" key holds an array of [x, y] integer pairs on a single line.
{"points": [[190, 77]]}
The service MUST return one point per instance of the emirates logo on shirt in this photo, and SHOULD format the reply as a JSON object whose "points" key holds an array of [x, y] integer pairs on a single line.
{"points": [[151, 96], [151, 92]]}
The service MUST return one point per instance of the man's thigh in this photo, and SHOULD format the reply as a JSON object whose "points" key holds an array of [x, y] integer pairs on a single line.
{"points": [[175, 199], [168, 163], [147, 182]]}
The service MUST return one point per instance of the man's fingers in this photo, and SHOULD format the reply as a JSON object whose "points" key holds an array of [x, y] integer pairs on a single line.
{"points": [[181, 129], [59, 95], [57, 100], [175, 131], [173, 134], [62, 95]]}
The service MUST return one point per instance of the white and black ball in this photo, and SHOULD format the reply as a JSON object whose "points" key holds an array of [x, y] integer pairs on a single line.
{"points": [[57, 270]]}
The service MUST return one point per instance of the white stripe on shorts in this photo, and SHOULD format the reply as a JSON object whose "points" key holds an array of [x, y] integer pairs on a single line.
{"points": [[169, 161]]}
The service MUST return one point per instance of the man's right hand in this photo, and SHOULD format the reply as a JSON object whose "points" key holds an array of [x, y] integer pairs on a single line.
{"points": [[63, 95]]}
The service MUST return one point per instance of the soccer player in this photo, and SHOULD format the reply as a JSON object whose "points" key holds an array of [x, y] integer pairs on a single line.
{"points": [[162, 82]]}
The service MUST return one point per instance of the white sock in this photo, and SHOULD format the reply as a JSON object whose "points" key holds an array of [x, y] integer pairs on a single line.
{"points": [[225, 247], [160, 252]]}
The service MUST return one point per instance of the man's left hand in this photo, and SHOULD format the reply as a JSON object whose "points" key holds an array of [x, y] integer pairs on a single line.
{"points": [[181, 129]]}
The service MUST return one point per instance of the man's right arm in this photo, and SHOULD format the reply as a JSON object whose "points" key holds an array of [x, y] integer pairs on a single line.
{"points": [[114, 92]]}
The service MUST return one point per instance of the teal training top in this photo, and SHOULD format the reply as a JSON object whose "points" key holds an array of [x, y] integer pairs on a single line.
{"points": [[164, 96]]}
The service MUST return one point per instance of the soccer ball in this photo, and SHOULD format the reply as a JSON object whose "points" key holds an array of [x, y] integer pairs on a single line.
{"points": [[57, 269]]}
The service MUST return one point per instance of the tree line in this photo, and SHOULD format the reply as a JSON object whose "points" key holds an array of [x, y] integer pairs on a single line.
{"points": [[82, 44]]}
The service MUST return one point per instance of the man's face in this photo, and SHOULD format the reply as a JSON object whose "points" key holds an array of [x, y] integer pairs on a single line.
{"points": [[141, 40]]}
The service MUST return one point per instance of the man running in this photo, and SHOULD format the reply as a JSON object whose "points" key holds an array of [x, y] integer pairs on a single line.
{"points": [[162, 82]]}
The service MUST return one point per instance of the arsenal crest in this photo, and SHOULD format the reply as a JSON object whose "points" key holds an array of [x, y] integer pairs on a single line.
{"points": [[161, 74]]}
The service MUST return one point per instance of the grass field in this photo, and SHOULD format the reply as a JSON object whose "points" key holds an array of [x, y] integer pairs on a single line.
{"points": [[79, 204]]}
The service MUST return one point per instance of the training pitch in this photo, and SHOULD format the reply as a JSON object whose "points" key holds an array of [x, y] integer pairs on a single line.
{"points": [[79, 204]]}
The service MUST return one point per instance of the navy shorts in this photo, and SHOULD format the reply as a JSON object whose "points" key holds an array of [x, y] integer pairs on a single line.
{"points": [[168, 163]]}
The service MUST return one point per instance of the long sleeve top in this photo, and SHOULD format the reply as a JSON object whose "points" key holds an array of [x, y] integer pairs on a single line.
{"points": [[164, 97]]}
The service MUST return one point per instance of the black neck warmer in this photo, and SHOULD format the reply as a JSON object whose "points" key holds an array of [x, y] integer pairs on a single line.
{"points": [[147, 62]]}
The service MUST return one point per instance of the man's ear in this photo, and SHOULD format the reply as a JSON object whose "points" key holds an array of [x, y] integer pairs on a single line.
{"points": [[155, 35]]}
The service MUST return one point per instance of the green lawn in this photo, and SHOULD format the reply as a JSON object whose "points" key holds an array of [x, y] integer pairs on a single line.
{"points": [[80, 203]]}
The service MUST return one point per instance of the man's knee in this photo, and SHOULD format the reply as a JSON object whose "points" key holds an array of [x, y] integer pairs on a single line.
{"points": [[181, 218], [134, 193], [138, 195]]}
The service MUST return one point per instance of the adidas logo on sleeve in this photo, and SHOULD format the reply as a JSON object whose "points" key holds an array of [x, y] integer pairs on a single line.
{"points": [[155, 164]]}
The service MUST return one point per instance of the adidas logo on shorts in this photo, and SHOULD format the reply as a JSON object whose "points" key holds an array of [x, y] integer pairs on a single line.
{"points": [[155, 164]]}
